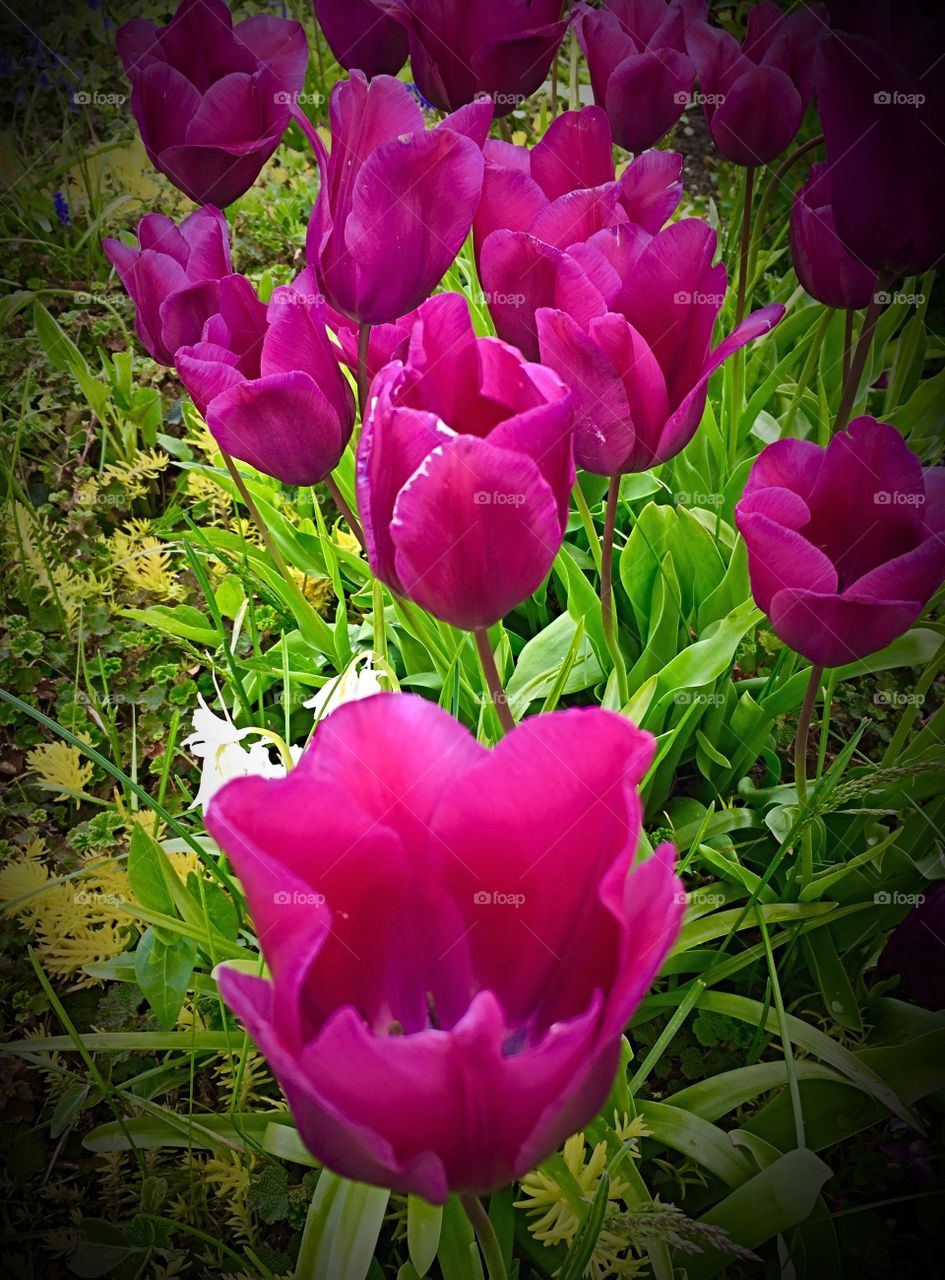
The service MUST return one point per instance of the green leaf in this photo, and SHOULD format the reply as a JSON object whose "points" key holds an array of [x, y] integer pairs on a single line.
{"points": [[585, 1241], [341, 1231], [424, 1222], [703, 662], [179, 620], [698, 1139], [163, 972], [458, 1253]]}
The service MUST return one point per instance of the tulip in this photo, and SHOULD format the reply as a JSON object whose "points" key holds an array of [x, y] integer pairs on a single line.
{"points": [[267, 381], [882, 105], [494, 48], [212, 100], [173, 277], [637, 353], [522, 186], [846, 545], [755, 94], [452, 935], [386, 341], [640, 71], [360, 35], [826, 269], [916, 949], [464, 470], [396, 201]]}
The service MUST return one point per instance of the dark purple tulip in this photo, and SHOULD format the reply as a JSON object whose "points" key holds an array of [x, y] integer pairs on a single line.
{"points": [[173, 277], [268, 383], [640, 71], [882, 104], [212, 100], [360, 35], [846, 545], [464, 470], [916, 949], [575, 156], [826, 269], [498, 48], [639, 357], [396, 200], [755, 93], [387, 341]]}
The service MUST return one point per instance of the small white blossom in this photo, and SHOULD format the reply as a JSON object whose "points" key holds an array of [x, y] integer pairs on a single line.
{"points": [[218, 743], [353, 683]]}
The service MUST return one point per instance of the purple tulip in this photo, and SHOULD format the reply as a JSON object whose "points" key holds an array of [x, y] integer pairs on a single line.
{"points": [[636, 350], [755, 94], [267, 381], [916, 949], [882, 104], [212, 100], [396, 200], [360, 35], [495, 48], [846, 545], [386, 341], [640, 71], [455, 935], [464, 470], [550, 182], [824, 266], [173, 277]]}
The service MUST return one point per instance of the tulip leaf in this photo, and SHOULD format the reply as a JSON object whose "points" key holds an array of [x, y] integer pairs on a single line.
{"points": [[706, 660], [588, 1233], [697, 1139], [341, 1231], [458, 1253], [181, 621], [424, 1222]]}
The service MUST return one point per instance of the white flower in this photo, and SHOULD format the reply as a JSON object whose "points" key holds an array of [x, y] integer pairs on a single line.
{"points": [[217, 742], [350, 686]]}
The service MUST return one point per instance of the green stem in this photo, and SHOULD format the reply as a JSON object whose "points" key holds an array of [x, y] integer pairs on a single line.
{"points": [[351, 519], [485, 1233], [851, 384], [810, 360], [364, 342], [587, 520], [490, 674], [741, 300], [825, 722], [848, 318], [607, 591], [800, 766], [770, 192]]}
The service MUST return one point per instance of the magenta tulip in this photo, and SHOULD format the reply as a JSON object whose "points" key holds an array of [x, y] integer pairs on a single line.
{"points": [[267, 381], [494, 48], [455, 936], [637, 350], [846, 545], [640, 71], [826, 269], [212, 100], [173, 277], [360, 35], [396, 201], [755, 93], [882, 103], [464, 470], [386, 341]]}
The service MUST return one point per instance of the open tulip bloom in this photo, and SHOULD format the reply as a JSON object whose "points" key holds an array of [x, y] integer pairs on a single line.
{"points": [[267, 380], [634, 344], [455, 936], [464, 470], [846, 545], [395, 201], [173, 276], [212, 99]]}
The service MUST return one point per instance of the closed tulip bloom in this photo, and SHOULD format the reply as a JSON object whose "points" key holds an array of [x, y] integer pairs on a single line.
{"points": [[495, 48], [846, 545], [456, 936], [396, 200], [173, 277], [637, 353], [640, 71], [464, 470], [360, 35], [386, 342], [756, 92], [824, 266], [268, 383], [212, 99], [882, 105], [916, 949]]}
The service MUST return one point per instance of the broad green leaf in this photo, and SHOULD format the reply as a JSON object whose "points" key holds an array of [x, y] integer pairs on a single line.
{"points": [[163, 972], [423, 1232]]}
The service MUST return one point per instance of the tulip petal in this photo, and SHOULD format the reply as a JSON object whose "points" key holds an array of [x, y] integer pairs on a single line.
{"points": [[759, 117], [511, 200], [519, 274], [279, 45], [651, 188], [511, 67], [778, 556], [359, 35], [646, 94], [832, 630], [575, 152], [206, 370]]}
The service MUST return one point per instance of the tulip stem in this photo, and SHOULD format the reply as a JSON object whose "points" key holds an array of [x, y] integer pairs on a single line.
{"points": [[851, 384], [485, 1233], [587, 520], [776, 180], [800, 766], [351, 519], [607, 591], [741, 299], [490, 674], [807, 370], [364, 342], [848, 316], [274, 552]]}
